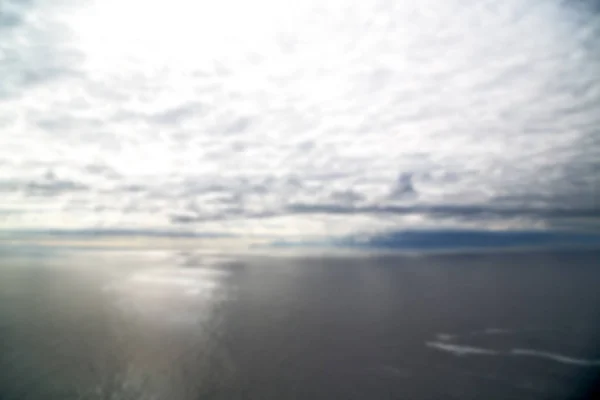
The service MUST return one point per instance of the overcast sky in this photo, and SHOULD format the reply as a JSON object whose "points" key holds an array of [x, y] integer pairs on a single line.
{"points": [[275, 118]]}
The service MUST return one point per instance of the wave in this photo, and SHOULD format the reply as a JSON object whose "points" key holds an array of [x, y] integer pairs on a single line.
{"points": [[461, 350], [555, 357]]}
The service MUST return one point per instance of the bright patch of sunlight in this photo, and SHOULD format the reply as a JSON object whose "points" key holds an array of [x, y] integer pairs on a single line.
{"points": [[154, 33]]}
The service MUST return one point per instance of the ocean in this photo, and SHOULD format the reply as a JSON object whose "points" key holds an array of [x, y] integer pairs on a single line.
{"points": [[188, 325]]}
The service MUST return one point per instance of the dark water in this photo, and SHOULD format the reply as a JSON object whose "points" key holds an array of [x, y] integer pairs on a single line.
{"points": [[184, 326]]}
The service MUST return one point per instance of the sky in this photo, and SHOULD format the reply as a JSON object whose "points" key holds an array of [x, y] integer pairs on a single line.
{"points": [[276, 119]]}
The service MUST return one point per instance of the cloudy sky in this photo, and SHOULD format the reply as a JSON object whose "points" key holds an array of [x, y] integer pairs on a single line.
{"points": [[299, 118]]}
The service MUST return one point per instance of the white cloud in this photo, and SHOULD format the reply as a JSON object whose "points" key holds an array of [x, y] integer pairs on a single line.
{"points": [[297, 119]]}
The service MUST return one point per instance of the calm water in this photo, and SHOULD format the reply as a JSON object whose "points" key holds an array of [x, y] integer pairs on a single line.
{"points": [[186, 326]]}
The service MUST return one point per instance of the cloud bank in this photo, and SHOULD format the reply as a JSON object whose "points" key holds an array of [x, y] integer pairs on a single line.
{"points": [[299, 120]]}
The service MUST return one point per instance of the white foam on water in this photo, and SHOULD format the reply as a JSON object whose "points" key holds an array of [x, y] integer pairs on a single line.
{"points": [[487, 331], [460, 350], [555, 357]]}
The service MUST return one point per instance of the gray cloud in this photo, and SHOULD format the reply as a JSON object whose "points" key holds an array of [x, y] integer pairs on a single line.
{"points": [[176, 114], [100, 169], [403, 187], [364, 116], [13, 12], [51, 185], [459, 211], [167, 116], [29, 55], [239, 125], [346, 197]]}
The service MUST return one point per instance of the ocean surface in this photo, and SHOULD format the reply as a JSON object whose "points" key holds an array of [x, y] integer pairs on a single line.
{"points": [[187, 325]]}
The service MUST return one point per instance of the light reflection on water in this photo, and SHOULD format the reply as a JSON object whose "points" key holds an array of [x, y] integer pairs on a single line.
{"points": [[156, 326], [170, 294], [104, 325]]}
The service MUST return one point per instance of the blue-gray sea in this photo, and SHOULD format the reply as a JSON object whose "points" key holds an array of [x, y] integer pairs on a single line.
{"points": [[188, 325]]}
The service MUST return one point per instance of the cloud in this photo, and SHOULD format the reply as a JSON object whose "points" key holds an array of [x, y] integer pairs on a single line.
{"points": [[379, 117], [477, 212], [50, 185], [102, 170], [11, 15], [29, 51], [47, 185], [404, 187]]}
